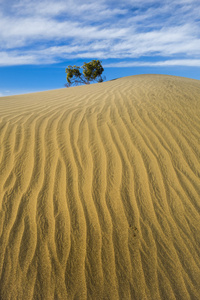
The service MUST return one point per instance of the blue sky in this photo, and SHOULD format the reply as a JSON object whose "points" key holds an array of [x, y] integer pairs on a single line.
{"points": [[39, 38]]}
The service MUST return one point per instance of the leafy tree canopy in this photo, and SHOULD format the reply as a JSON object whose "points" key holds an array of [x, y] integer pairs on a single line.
{"points": [[92, 72]]}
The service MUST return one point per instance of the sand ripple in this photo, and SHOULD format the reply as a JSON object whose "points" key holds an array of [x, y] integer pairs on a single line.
{"points": [[100, 191]]}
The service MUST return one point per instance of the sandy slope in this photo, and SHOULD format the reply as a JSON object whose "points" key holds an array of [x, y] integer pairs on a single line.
{"points": [[100, 191]]}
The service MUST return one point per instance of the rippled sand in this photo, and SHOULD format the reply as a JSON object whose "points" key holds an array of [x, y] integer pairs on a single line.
{"points": [[100, 191]]}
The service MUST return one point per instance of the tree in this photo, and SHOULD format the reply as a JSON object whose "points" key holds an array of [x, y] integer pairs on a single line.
{"points": [[92, 72]]}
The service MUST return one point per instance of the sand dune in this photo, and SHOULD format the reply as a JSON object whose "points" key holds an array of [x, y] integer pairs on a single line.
{"points": [[100, 191]]}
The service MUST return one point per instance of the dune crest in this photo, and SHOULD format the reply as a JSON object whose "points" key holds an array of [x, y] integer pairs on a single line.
{"points": [[100, 191]]}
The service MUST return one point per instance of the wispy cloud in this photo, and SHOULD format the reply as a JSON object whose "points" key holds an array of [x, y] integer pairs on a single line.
{"points": [[172, 62], [35, 32]]}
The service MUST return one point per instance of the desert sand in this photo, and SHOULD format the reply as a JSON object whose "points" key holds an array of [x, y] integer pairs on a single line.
{"points": [[100, 191]]}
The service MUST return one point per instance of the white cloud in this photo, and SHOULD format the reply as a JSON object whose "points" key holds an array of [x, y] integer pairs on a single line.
{"points": [[15, 58], [52, 31], [166, 63], [17, 92]]}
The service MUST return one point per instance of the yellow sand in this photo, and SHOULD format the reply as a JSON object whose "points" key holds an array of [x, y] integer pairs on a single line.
{"points": [[100, 191]]}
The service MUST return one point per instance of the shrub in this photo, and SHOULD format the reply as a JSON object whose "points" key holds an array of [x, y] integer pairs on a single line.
{"points": [[92, 72]]}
